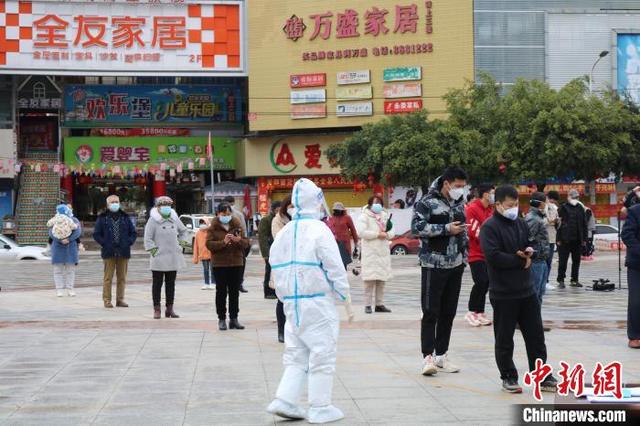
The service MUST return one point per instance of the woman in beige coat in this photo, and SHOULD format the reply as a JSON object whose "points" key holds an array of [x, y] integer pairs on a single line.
{"points": [[375, 230], [279, 221]]}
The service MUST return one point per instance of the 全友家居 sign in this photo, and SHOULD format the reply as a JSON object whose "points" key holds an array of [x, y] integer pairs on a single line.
{"points": [[157, 37]]}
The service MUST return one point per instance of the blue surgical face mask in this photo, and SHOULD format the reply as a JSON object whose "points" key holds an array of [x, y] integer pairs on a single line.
{"points": [[376, 208], [203, 226], [225, 219], [114, 207], [165, 211]]}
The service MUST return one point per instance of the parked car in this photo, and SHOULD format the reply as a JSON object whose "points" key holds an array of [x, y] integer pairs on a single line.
{"points": [[192, 222], [606, 238], [405, 244], [9, 249]]}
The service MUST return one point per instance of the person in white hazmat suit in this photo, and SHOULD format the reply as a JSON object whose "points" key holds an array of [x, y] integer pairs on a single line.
{"points": [[309, 277]]}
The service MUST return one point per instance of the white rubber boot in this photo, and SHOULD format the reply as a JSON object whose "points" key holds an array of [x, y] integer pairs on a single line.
{"points": [[320, 389], [288, 395]]}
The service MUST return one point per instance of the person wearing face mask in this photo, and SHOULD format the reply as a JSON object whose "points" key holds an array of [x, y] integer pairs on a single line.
{"points": [[505, 242], [115, 232], [265, 238], [201, 254], [164, 237], [572, 235], [440, 222], [344, 230], [552, 222], [227, 243], [631, 199], [375, 229], [477, 212], [283, 216], [539, 241]]}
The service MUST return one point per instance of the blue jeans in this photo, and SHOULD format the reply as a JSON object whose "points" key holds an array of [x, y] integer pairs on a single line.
{"points": [[552, 250], [208, 276], [539, 274]]}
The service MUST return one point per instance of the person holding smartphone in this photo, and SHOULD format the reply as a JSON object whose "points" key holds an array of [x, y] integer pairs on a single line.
{"points": [[440, 222], [227, 243], [539, 242]]}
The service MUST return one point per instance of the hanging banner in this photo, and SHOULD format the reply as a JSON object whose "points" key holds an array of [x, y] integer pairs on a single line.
{"points": [[115, 39], [104, 152], [142, 105]]}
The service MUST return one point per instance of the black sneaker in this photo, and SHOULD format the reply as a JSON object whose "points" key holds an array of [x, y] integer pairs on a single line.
{"points": [[367, 309], [242, 289], [575, 284], [511, 385], [382, 308], [550, 384], [222, 325], [560, 284]]}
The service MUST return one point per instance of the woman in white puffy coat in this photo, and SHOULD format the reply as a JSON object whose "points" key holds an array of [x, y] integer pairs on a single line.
{"points": [[375, 252]]}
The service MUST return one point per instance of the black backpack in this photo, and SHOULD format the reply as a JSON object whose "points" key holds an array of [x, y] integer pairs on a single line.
{"points": [[603, 285]]}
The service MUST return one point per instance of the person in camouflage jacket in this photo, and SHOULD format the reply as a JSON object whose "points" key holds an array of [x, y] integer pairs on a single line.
{"points": [[439, 221]]}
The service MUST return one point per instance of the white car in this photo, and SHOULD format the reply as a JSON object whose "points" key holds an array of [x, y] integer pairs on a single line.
{"points": [[10, 250], [606, 238], [192, 222]]}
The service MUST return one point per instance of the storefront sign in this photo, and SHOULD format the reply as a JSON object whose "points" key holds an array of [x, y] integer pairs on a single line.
{"points": [[399, 107], [307, 80], [354, 109], [103, 105], [92, 153], [39, 103], [299, 112], [351, 93], [308, 96], [605, 188], [147, 131], [132, 37], [402, 90], [353, 77], [402, 74], [561, 188]]}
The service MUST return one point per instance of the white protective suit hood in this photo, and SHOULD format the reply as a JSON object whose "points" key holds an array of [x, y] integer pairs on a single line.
{"points": [[308, 200]]}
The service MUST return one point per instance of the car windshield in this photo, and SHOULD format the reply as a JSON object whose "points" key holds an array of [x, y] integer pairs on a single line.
{"points": [[9, 242]]}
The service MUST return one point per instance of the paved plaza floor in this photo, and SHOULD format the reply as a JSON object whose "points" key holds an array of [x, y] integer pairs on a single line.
{"points": [[69, 361]]}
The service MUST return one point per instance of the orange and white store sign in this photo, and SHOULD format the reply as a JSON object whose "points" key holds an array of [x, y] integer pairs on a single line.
{"points": [[119, 38]]}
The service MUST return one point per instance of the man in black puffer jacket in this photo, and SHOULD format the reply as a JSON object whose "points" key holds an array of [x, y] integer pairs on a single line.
{"points": [[505, 243]]}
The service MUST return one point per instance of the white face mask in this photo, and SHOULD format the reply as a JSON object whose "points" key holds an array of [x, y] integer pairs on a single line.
{"points": [[291, 212], [511, 214], [456, 193], [492, 199], [638, 194], [573, 202]]}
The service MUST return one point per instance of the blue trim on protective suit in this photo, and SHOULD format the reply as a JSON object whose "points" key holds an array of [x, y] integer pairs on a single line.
{"points": [[304, 296], [326, 276], [294, 262]]}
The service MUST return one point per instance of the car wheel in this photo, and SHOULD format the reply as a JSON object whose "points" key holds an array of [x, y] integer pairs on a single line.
{"points": [[399, 251]]}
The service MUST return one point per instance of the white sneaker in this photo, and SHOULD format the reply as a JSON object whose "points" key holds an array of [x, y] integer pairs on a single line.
{"points": [[212, 286], [59, 293], [472, 319], [205, 287], [429, 366], [71, 292], [443, 364], [482, 317]]}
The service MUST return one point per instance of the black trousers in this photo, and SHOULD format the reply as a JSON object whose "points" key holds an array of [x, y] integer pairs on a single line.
{"points": [[228, 282], [169, 278], [566, 248], [268, 291], [478, 297], [439, 296], [280, 316], [633, 312], [524, 312]]}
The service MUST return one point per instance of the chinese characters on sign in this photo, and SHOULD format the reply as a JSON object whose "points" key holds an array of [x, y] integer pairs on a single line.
{"points": [[402, 90], [102, 105], [353, 77], [121, 154], [398, 107], [402, 74], [308, 96], [299, 112], [40, 103], [130, 36], [607, 379], [283, 159], [307, 80], [354, 109]]}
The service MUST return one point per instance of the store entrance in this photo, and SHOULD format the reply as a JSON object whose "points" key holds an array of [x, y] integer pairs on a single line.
{"points": [[38, 132], [90, 196]]}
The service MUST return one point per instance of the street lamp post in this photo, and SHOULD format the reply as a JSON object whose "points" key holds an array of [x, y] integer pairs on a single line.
{"points": [[602, 55]]}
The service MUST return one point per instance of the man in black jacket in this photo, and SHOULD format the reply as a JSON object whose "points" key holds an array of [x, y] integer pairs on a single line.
{"points": [[505, 243], [572, 235], [115, 233]]}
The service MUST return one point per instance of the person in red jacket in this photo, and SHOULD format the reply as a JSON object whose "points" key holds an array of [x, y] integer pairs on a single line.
{"points": [[478, 211]]}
